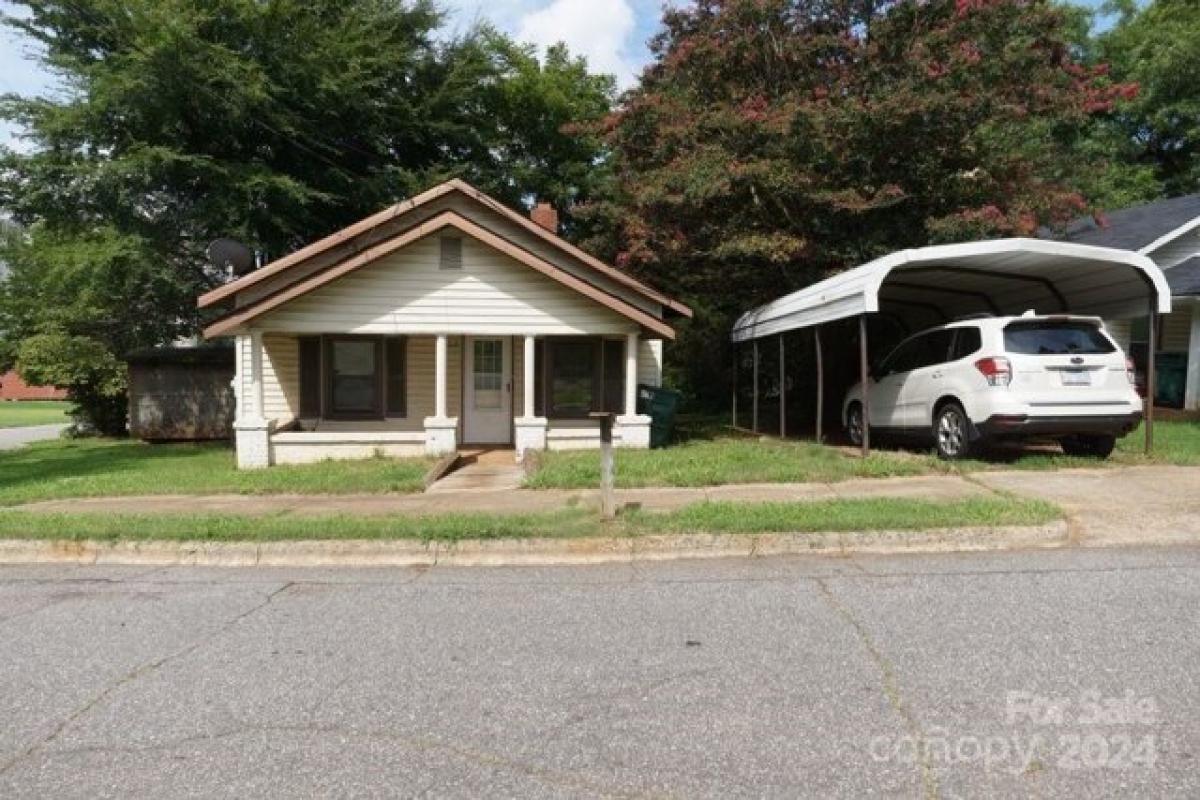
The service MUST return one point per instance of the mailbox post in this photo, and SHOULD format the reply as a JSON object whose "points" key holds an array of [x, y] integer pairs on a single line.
{"points": [[608, 503]]}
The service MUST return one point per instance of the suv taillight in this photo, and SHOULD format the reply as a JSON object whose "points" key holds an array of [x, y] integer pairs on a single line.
{"points": [[1131, 371], [997, 371]]}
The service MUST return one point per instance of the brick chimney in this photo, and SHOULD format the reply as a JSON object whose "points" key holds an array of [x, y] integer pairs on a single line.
{"points": [[545, 215]]}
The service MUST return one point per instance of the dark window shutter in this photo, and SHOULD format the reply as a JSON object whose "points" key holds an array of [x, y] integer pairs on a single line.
{"points": [[310, 376], [614, 376], [397, 383]]}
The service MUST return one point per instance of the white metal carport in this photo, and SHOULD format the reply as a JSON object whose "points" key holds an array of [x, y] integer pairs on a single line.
{"points": [[928, 286]]}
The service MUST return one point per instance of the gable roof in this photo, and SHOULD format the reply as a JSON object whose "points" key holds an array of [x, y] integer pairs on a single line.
{"points": [[366, 227], [1137, 227], [449, 218], [1184, 278]]}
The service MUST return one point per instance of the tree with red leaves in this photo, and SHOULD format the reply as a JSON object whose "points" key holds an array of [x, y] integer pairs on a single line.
{"points": [[773, 142]]}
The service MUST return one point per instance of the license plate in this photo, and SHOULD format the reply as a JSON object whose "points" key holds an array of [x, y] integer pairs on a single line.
{"points": [[1076, 377]]}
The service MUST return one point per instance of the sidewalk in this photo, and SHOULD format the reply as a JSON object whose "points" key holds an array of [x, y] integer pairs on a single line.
{"points": [[1105, 507], [12, 438], [517, 501], [1133, 505]]}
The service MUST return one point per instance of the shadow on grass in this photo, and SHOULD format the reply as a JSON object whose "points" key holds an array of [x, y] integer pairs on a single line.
{"points": [[80, 459]]}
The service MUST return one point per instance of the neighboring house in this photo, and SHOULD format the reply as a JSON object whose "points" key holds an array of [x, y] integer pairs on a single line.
{"points": [[446, 320], [13, 388], [11, 385], [1168, 231]]}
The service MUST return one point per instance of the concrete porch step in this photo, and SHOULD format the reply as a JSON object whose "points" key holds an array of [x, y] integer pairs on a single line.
{"points": [[485, 470]]}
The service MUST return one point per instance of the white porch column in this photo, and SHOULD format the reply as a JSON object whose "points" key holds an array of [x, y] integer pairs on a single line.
{"points": [[529, 432], [528, 355], [631, 364], [256, 374], [441, 430], [1191, 397], [252, 431], [441, 367], [632, 428]]}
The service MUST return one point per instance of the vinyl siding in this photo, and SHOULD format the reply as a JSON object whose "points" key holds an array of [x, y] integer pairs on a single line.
{"points": [[406, 293], [1176, 331], [650, 361]]}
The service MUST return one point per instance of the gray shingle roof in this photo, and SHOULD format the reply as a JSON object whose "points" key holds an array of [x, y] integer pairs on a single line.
{"points": [[1184, 278], [1134, 228]]}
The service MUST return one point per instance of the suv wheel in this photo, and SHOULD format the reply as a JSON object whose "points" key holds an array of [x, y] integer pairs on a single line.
{"points": [[854, 424], [951, 432], [1096, 446]]}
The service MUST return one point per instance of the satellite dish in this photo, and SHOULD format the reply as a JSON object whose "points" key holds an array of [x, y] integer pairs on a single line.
{"points": [[229, 254]]}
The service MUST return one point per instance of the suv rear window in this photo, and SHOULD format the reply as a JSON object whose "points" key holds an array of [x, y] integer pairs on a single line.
{"points": [[1043, 338]]}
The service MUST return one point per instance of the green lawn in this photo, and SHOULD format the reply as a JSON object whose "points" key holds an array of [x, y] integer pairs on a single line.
{"points": [[1175, 443], [730, 458], [100, 467], [832, 515], [710, 462], [19, 413]]}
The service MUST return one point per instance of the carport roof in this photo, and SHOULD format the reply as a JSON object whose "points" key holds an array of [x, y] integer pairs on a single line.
{"points": [[931, 285]]}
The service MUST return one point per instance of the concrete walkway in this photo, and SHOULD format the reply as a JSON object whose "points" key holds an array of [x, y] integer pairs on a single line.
{"points": [[513, 501], [1134, 505], [482, 471], [12, 438]]}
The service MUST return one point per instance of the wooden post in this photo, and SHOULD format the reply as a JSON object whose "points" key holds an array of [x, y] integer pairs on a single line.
{"points": [[608, 503], [864, 377], [1151, 377], [735, 383], [782, 390], [820, 384], [754, 394]]}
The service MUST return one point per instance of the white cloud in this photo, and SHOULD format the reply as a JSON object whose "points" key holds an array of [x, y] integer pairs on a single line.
{"points": [[600, 30]]}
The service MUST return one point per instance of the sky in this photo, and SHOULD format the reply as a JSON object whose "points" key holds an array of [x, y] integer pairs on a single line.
{"points": [[612, 34]]}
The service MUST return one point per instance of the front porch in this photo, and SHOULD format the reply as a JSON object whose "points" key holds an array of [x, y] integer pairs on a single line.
{"points": [[305, 397]]}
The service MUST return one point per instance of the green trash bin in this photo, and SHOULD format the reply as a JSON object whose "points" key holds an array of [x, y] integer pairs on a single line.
{"points": [[659, 404], [1170, 379]]}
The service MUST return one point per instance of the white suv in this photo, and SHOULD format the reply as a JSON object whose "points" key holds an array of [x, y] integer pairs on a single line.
{"points": [[1058, 377]]}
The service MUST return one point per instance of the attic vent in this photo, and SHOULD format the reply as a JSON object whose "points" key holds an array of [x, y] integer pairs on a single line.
{"points": [[451, 253]]}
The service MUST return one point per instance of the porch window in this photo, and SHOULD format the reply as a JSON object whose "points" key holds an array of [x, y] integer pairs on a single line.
{"points": [[575, 377], [352, 377]]}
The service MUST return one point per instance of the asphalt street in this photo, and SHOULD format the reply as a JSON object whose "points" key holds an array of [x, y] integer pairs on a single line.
{"points": [[1070, 673]]}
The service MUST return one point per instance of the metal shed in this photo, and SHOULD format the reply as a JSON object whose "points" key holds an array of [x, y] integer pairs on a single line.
{"points": [[928, 286]]}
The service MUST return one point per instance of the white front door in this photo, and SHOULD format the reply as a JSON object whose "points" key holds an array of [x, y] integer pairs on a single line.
{"points": [[487, 409]]}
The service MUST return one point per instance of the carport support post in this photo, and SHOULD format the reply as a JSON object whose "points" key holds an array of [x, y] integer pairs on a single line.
{"points": [[754, 404], [782, 390], [735, 383], [1152, 338], [863, 377], [820, 383]]}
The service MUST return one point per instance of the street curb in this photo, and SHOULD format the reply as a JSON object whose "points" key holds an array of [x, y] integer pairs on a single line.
{"points": [[526, 552]]}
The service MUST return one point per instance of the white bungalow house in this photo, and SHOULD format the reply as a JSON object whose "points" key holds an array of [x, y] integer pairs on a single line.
{"points": [[444, 321], [1168, 232]]}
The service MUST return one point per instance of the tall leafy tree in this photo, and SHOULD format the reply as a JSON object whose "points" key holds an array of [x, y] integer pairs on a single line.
{"points": [[272, 122], [1157, 45], [774, 141]]}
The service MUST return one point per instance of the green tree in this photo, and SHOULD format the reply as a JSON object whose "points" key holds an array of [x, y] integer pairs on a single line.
{"points": [[275, 123], [772, 142], [1157, 45]]}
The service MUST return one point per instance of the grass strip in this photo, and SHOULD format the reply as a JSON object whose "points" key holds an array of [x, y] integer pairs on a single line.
{"points": [[722, 517], [115, 467], [20, 413]]}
